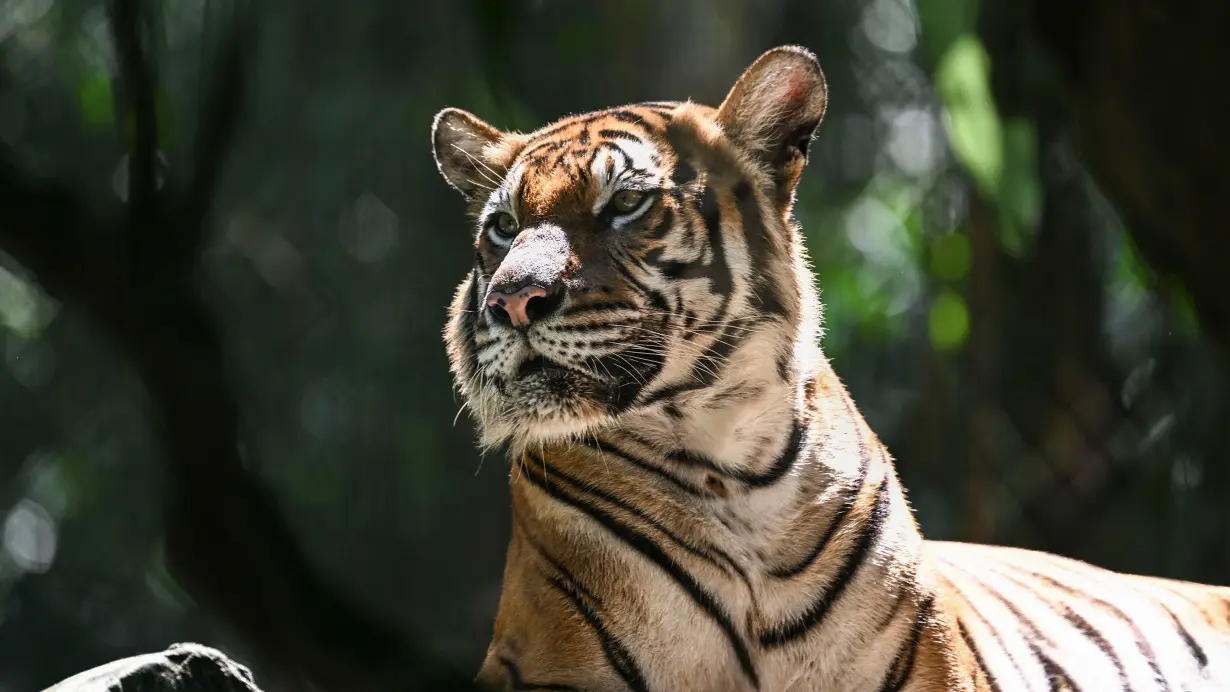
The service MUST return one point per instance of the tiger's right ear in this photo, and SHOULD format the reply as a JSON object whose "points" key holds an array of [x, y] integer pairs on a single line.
{"points": [[774, 108], [472, 155]]}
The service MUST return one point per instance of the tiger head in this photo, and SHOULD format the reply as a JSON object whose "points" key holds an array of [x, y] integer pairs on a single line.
{"points": [[622, 257]]}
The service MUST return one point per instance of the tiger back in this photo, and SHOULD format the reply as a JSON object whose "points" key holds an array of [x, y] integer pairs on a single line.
{"points": [[697, 503]]}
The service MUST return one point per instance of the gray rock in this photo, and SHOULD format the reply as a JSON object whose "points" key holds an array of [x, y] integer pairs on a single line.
{"points": [[181, 668]]}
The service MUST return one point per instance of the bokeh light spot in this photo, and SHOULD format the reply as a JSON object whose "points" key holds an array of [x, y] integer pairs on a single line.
{"points": [[30, 536]]}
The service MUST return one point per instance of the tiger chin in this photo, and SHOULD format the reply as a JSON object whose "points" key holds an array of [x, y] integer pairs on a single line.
{"points": [[697, 503]]}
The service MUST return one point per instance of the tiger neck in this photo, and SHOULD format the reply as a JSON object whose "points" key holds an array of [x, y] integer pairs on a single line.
{"points": [[763, 503], [754, 456]]}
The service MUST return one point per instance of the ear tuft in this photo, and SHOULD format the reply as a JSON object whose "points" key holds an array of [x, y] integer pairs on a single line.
{"points": [[468, 152], [776, 105]]}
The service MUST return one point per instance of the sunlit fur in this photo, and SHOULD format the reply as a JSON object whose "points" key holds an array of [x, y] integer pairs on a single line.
{"points": [[697, 503]]}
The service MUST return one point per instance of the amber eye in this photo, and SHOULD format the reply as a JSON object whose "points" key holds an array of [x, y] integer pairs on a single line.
{"points": [[504, 225], [626, 201]]}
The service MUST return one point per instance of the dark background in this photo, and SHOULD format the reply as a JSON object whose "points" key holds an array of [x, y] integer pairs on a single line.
{"points": [[1013, 211]]}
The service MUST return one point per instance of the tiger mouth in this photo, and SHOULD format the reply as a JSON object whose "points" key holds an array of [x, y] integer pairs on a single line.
{"points": [[562, 382], [544, 367], [568, 385]]}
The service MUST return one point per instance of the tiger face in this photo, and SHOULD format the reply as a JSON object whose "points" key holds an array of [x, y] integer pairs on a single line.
{"points": [[621, 255]]}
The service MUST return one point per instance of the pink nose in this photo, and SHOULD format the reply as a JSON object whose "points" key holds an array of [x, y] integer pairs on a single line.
{"points": [[516, 304]]}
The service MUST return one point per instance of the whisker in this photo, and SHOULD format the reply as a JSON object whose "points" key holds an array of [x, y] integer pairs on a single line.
{"points": [[488, 178]]}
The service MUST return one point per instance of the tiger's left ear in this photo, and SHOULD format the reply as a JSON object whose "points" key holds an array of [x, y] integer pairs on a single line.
{"points": [[472, 155], [774, 109]]}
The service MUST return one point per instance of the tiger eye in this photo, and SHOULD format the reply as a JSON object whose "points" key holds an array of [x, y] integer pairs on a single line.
{"points": [[626, 201], [506, 225]]}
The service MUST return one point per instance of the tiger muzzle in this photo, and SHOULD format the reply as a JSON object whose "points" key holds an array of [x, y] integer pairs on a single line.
{"points": [[529, 285]]}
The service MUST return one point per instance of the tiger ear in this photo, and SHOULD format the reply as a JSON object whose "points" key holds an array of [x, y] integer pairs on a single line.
{"points": [[472, 155], [774, 109]]}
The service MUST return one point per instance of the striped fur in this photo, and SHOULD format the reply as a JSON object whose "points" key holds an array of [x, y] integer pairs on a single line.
{"points": [[697, 503]]}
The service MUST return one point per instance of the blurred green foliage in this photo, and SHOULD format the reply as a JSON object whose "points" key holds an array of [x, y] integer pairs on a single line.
{"points": [[337, 246]]}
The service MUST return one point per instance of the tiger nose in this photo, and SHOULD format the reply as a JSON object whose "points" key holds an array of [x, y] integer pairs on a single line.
{"points": [[524, 306]]}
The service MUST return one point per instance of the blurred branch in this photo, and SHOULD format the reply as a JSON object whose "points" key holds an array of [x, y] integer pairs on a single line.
{"points": [[128, 25], [226, 543], [221, 111], [983, 364]]}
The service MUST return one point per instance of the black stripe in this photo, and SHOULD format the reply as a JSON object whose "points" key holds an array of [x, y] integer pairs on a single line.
{"points": [[598, 307], [583, 121], [480, 262], [737, 393], [996, 635], [903, 664], [783, 365], [558, 566], [757, 236], [683, 174], [654, 298], [717, 270], [1192, 645], [1143, 647], [688, 318], [1079, 623], [550, 131], [654, 553], [981, 665], [629, 117], [616, 654], [607, 447], [588, 605], [1055, 673], [816, 612], [519, 684], [720, 280], [785, 461], [767, 297], [538, 153], [898, 603], [615, 150], [639, 371], [669, 268], [542, 138], [709, 364], [584, 327], [469, 325], [665, 225], [840, 515], [829, 531], [711, 554], [707, 368], [620, 134], [1057, 678]]}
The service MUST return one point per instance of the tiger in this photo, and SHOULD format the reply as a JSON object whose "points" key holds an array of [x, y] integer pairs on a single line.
{"points": [[696, 501]]}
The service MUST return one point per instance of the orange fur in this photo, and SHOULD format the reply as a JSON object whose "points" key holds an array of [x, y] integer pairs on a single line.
{"points": [[697, 503]]}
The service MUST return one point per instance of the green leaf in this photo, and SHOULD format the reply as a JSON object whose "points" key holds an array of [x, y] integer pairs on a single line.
{"points": [[1130, 272], [1020, 191], [948, 321], [950, 256], [94, 100], [963, 81]]}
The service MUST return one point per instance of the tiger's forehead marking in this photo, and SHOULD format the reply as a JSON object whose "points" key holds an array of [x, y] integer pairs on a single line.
{"points": [[579, 163]]}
